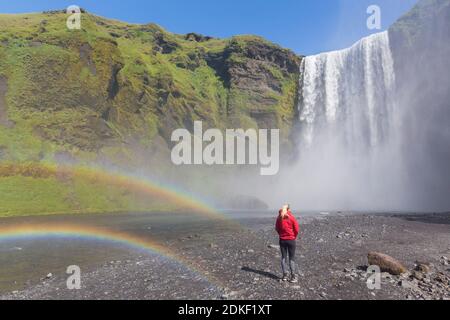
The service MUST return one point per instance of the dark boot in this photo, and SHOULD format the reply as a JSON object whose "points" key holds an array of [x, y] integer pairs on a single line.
{"points": [[294, 279]]}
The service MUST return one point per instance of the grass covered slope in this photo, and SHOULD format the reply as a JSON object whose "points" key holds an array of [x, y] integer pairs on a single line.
{"points": [[112, 87], [113, 92], [36, 189]]}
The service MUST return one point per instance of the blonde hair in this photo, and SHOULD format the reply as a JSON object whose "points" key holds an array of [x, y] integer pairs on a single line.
{"points": [[284, 211]]}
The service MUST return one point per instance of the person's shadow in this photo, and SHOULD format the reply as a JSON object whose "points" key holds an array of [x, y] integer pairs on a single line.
{"points": [[261, 273]]}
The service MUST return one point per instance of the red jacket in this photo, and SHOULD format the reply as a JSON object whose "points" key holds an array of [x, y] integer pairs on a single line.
{"points": [[287, 228]]}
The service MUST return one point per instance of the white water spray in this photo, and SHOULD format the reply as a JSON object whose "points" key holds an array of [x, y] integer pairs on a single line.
{"points": [[349, 94], [349, 131]]}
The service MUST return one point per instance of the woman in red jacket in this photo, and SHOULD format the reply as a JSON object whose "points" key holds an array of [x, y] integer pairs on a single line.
{"points": [[288, 229]]}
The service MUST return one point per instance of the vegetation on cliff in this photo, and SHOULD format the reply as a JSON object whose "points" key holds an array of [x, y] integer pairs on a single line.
{"points": [[113, 92], [112, 88]]}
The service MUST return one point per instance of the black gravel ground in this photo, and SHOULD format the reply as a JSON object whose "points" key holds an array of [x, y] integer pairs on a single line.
{"points": [[243, 263]]}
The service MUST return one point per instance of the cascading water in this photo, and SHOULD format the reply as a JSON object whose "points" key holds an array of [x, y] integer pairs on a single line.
{"points": [[350, 134], [348, 95]]}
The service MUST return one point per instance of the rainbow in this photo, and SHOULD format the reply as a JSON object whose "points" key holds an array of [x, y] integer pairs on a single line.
{"points": [[67, 231], [145, 186], [184, 201]]}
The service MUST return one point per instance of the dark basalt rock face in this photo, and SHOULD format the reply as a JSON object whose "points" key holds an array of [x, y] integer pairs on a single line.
{"points": [[163, 45], [192, 36], [254, 71]]}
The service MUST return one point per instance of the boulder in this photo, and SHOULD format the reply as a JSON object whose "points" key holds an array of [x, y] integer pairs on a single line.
{"points": [[386, 263]]}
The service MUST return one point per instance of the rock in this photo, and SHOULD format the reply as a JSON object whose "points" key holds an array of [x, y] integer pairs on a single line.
{"points": [[251, 251], [386, 263], [229, 295], [417, 275], [423, 267], [406, 284], [273, 246], [441, 278], [386, 275], [192, 36], [48, 276]]}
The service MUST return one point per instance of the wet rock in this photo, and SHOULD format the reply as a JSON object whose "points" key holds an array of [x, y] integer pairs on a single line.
{"points": [[386, 263]]}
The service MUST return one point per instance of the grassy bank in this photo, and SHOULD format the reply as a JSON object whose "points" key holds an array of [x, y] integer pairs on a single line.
{"points": [[35, 189]]}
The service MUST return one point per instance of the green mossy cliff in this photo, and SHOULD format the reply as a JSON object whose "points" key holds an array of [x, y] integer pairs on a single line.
{"points": [[114, 91]]}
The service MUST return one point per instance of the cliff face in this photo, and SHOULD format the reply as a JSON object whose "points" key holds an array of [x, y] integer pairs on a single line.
{"points": [[117, 91], [420, 44]]}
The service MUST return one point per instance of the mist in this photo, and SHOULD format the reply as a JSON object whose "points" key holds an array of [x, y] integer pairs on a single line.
{"points": [[372, 132], [373, 126], [370, 143]]}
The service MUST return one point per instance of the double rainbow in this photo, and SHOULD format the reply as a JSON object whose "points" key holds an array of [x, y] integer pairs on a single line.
{"points": [[72, 231], [180, 200], [183, 200], [140, 185]]}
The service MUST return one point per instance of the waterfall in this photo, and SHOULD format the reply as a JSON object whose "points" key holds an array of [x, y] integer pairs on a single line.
{"points": [[350, 133], [347, 95]]}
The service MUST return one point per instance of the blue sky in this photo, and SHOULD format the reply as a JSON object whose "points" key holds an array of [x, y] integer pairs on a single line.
{"points": [[305, 26]]}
